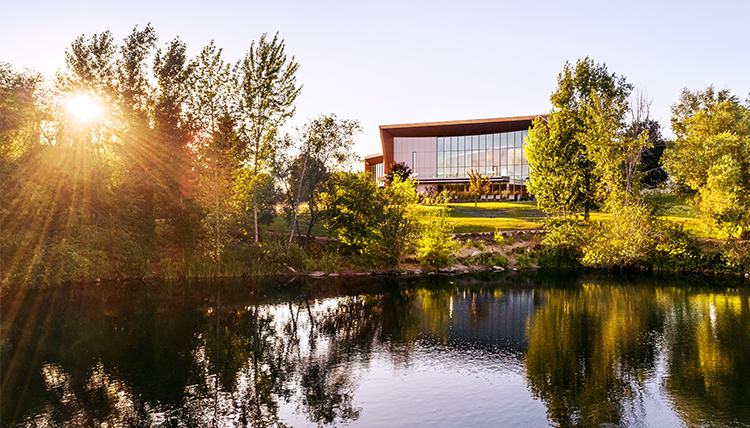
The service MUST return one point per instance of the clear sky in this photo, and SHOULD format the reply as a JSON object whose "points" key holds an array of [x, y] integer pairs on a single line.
{"points": [[391, 62]]}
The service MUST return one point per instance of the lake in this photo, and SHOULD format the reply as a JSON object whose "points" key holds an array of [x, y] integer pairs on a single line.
{"points": [[506, 350]]}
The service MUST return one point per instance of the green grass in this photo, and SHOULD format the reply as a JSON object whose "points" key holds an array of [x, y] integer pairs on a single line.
{"points": [[491, 216], [281, 225]]}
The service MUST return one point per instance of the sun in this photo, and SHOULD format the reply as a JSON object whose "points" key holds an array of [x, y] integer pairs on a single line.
{"points": [[83, 107]]}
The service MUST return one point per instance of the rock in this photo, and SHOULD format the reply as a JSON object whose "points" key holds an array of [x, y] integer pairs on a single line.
{"points": [[498, 268], [363, 273], [449, 269], [290, 268], [317, 274], [404, 273], [515, 268], [475, 253], [747, 275], [417, 271], [333, 274]]}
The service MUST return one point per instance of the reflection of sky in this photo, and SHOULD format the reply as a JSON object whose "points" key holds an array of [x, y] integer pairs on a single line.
{"points": [[442, 387]]}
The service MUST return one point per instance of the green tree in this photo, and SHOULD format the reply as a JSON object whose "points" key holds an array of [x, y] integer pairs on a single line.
{"points": [[328, 147], [711, 156], [563, 174], [380, 223], [216, 143], [479, 184], [398, 170], [268, 89], [436, 246], [172, 129]]}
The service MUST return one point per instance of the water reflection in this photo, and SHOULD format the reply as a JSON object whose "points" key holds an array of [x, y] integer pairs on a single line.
{"points": [[594, 352]]}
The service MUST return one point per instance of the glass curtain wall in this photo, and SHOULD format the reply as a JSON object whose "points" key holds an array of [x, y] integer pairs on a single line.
{"points": [[498, 155]]}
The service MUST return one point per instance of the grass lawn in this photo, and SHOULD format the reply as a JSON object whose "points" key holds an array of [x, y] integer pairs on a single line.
{"points": [[491, 216], [281, 225]]}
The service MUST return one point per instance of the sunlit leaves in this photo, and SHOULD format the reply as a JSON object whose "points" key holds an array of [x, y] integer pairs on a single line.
{"points": [[711, 156]]}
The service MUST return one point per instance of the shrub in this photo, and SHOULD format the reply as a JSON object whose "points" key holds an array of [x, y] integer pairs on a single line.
{"points": [[469, 244], [676, 249], [479, 245], [436, 246], [624, 241], [330, 262], [486, 259], [510, 239], [524, 261], [499, 238]]}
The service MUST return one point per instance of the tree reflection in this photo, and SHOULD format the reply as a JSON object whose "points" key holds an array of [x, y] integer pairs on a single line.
{"points": [[589, 352], [709, 339]]}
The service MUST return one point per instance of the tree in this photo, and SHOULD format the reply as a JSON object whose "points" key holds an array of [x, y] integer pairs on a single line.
{"points": [[711, 156], [398, 170], [563, 177], [172, 129], [479, 184], [215, 141], [380, 223], [268, 89], [328, 147], [651, 167]]}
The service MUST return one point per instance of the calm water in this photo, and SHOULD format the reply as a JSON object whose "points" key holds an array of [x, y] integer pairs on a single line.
{"points": [[487, 350]]}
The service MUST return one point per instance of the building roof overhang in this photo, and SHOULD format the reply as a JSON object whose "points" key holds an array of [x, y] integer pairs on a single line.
{"points": [[459, 127]]}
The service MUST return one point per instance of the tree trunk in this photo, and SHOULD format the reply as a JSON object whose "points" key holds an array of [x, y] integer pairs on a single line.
{"points": [[312, 221], [296, 205], [216, 207]]}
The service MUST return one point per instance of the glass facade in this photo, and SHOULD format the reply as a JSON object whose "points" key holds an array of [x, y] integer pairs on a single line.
{"points": [[377, 170], [499, 155]]}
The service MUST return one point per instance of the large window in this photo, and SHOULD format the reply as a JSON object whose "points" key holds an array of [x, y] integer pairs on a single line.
{"points": [[499, 155]]}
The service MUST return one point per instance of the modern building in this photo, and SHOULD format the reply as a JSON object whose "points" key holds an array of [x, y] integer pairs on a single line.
{"points": [[440, 154]]}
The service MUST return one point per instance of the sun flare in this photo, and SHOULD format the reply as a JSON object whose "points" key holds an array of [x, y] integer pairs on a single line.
{"points": [[83, 108]]}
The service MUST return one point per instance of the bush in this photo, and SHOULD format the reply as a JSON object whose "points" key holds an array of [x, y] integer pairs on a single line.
{"points": [[524, 261], [486, 259], [381, 224], [330, 262], [624, 241], [510, 239], [499, 238], [436, 246], [676, 249], [479, 245]]}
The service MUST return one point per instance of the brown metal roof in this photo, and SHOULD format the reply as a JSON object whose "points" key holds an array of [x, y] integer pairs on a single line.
{"points": [[459, 127]]}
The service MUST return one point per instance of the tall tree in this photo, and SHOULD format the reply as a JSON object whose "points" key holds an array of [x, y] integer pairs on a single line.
{"points": [[172, 129], [216, 144], [711, 156], [268, 89], [328, 147], [563, 176]]}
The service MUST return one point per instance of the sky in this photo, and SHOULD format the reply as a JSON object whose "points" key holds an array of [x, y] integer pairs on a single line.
{"points": [[401, 61]]}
